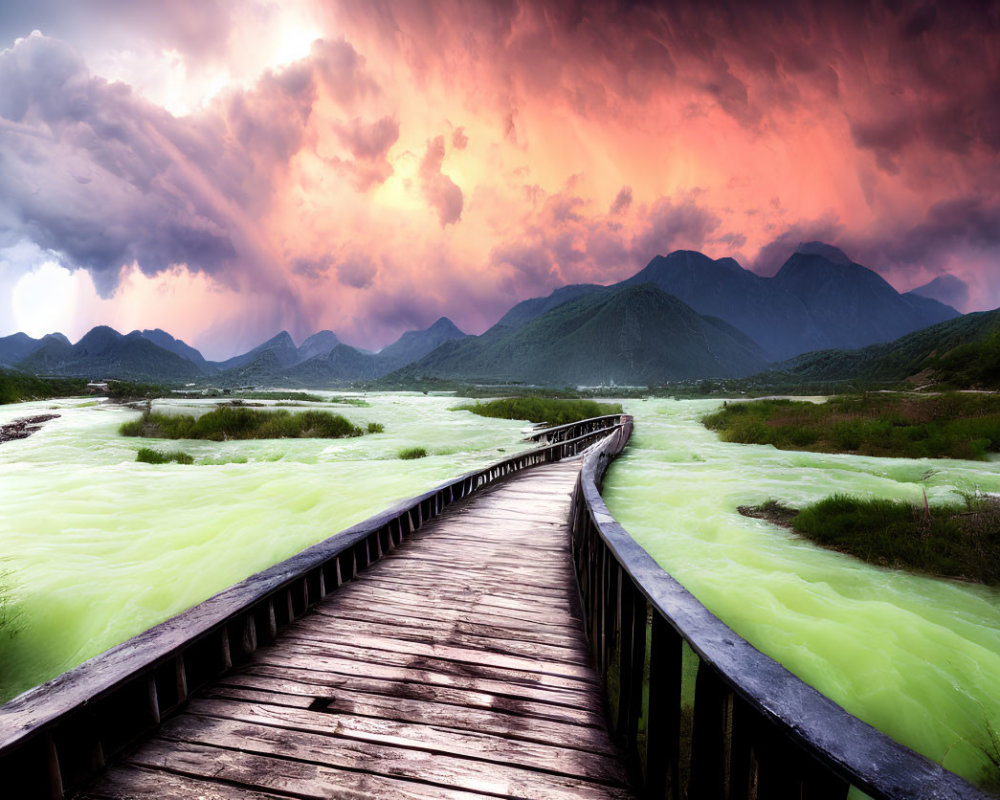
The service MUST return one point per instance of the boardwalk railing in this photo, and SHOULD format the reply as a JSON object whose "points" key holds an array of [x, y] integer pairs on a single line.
{"points": [[56, 736], [753, 730], [560, 433]]}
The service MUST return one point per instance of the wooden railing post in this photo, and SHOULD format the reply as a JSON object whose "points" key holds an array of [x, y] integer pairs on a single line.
{"points": [[663, 719], [710, 736]]}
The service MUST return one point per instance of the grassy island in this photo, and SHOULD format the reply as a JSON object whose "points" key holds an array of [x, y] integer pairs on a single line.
{"points": [[409, 453], [543, 409], [960, 540], [936, 426], [228, 422], [149, 456]]}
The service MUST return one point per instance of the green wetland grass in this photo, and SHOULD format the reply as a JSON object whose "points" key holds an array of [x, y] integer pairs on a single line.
{"points": [[963, 426], [955, 540], [148, 455], [227, 422], [542, 409], [410, 453]]}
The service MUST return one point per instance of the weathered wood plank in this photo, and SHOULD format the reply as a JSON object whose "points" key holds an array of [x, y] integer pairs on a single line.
{"points": [[336, 669], [425, 712], [489, 641], [286, 776], [468, 744], [294, 682], [375, 646], [139, 782], [408, 627], [535, 614], [389, 610], [495, 586], [440, 769], [472, 624]]}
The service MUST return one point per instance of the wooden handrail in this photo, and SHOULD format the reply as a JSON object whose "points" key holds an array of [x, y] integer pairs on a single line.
{"points": [[56, 736], [755, 729], [558, 432]]}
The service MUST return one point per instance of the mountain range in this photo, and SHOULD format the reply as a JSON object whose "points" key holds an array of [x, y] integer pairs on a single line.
{"points": [[963, 353], [155, 355], [684, 316]]}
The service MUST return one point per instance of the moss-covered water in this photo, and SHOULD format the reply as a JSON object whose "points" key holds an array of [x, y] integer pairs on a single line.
{"points": [[917, 657], [97, 547]]}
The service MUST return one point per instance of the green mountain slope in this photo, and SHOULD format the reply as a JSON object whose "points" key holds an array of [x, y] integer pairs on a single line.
{"points": [[104, 353], [962, 352], [634, 335]]}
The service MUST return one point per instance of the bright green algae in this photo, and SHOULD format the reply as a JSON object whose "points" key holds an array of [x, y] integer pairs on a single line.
{"points": [[917, 657], [99, 547]]}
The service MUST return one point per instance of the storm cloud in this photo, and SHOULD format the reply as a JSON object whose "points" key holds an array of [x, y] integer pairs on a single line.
{"points": [[469, 155]]}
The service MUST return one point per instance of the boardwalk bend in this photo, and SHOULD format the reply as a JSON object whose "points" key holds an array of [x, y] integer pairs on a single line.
{"points": [[511, 641]]}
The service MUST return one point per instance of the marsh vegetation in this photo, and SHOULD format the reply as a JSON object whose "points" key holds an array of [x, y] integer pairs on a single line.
{"points": [[148, 455], [229, 422], [410, 453], [956, 540], [552, 411], [936, 426]]}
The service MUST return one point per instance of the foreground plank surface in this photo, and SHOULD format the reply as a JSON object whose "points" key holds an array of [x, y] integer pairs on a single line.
{"points": [[453, 668]]}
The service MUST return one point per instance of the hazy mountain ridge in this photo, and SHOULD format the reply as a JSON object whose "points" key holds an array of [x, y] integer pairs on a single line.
{"points": [[163, 339], [963, 352], [702, 318], [104, 352], [155, 355], [631, 335], [818, 300], [18, 346]]}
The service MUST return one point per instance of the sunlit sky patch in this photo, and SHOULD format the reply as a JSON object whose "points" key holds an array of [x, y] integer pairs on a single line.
{"points": [[226, 170]]}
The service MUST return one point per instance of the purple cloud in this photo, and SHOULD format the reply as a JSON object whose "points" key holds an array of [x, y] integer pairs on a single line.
{"points": [[439, 190]]}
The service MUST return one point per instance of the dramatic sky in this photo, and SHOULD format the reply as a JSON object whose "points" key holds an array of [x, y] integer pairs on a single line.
{"points": [[228, 169]]}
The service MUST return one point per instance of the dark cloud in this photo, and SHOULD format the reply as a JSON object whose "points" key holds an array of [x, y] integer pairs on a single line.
{"points": [[342, 70], [622, 200], [961, 225], [105, 179], [357, 271], [564, 242], [369, 141], [530, 267], [439, 190], [312, 268], [99, 176], [458, 139], [778, 250], [671, 225]]}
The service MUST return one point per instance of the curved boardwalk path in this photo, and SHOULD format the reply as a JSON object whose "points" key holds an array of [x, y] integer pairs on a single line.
{"points": [[453, 668]]}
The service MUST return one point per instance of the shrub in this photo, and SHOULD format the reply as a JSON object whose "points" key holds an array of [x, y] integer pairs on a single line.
{"points": [[940, 426], [958, 540], [542, 409], [412, 452], [150, 456], [376, 427], [228, 422]]}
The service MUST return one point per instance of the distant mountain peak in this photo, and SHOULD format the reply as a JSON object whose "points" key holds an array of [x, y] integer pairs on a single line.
{"points": [[946, 288], [281, 338], [161, 338], [319, 344], [443, 324], [827, 251]]}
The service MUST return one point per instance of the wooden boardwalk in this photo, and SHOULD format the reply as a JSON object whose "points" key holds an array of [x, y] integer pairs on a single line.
{"points": [[453, 668]]}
